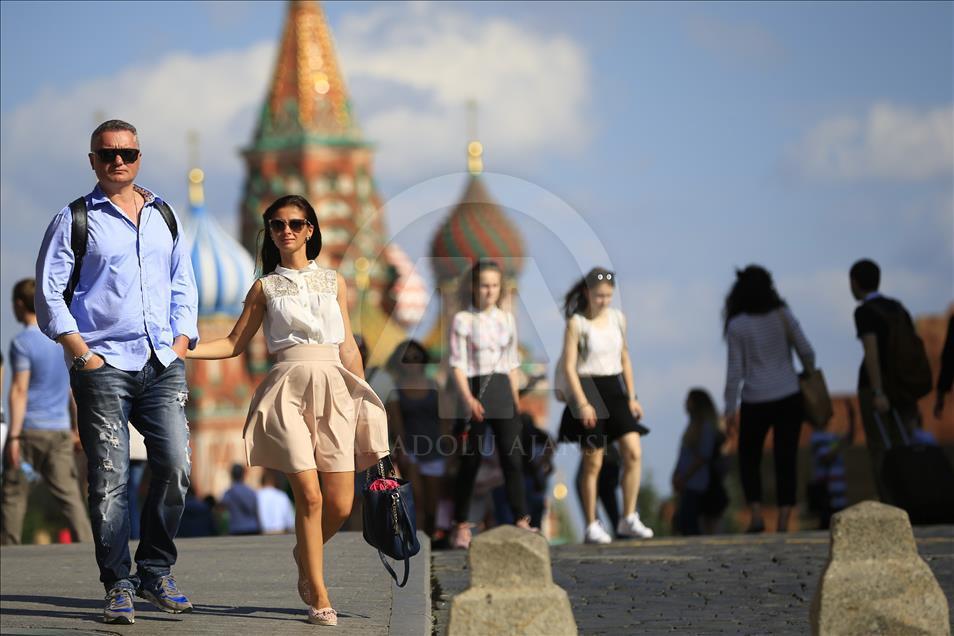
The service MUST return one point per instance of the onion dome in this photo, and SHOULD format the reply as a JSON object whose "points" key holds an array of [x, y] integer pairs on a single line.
{"points": [[476, 228], [224, 271], [407, 293]]}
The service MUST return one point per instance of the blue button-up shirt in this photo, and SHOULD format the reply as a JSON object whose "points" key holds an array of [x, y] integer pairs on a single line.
{"points": [[136, 290]]}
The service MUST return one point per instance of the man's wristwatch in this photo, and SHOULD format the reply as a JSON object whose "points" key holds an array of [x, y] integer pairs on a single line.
{"points": [[80, 361]]}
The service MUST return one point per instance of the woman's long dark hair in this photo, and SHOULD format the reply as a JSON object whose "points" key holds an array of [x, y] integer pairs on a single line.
{"points": [[752, 293], [701, 410], [576, 300], [270, 257], [470, 282]]}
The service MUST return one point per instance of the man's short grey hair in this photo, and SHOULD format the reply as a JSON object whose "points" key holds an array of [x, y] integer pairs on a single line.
{"points": [[113, 125]]}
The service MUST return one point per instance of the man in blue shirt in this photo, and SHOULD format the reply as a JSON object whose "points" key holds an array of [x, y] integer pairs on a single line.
{"points": [[241, 503], [41, 434], [125, 333]]}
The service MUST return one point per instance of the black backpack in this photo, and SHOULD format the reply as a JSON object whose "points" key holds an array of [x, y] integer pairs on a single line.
{"points": [[905, 366], [80, 237]]}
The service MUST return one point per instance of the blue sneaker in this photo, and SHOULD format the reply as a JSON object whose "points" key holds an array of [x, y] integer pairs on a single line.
{"points": [[164, 594], [119, 607]]}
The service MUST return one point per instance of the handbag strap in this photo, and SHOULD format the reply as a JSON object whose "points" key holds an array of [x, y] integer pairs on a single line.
{"points": [[381, 472], [790, 338], [406, 531]]}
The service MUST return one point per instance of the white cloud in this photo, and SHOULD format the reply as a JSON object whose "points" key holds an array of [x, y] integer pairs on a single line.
{"points": [[414, 67], [411, 69], [45, 140], [890, 142]]}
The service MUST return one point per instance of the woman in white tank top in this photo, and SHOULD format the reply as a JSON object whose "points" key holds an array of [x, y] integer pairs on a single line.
{"points": [[601, 402], [314, 413]]}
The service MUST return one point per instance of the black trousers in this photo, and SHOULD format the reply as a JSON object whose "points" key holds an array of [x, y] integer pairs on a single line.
{"points": [[502, 421], [784, 418]]}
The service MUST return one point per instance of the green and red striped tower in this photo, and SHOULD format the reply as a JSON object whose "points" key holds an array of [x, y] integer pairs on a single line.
{"points": [[307, 142]]}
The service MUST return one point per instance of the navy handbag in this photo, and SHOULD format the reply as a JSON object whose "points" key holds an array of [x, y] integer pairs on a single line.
{"points": [[389, 521]]}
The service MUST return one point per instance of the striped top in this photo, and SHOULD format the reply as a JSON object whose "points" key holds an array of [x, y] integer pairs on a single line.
{"points": [[484, 342], [828, 466], [760, 357]]}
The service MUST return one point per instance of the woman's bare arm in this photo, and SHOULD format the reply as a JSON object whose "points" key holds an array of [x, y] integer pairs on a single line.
{"points": [[245, 327], [348, 349]]}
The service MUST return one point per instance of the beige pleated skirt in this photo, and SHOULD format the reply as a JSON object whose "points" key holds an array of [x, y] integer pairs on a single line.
{"points": [[312, 413]]}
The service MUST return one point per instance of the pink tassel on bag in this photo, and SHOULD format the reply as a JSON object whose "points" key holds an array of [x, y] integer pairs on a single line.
{"points": [[383, 484]]}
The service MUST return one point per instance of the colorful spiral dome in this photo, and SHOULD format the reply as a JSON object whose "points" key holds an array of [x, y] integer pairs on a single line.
{"points": [[224, 270], [477, 228]]}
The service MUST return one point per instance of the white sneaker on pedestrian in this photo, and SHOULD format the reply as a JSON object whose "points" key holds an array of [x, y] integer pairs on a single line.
{"points": [[596, 533], [631, 527]]}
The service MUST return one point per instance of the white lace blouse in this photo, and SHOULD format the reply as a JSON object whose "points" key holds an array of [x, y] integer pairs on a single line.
{"points": [[302, 307]]}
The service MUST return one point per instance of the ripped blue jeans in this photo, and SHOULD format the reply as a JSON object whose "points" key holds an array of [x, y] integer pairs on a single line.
{"points": [[153, 400]]}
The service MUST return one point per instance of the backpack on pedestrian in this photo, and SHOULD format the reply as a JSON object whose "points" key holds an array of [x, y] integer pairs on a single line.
{"points": [[906, 370], [79, 238]]}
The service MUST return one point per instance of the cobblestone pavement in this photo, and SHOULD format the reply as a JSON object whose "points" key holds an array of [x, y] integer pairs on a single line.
{"points": [[239, 585], [734, 584]]}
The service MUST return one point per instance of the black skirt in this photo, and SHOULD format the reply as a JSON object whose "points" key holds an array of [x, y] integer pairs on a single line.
{"points": [[607, 394], [494, 393]]}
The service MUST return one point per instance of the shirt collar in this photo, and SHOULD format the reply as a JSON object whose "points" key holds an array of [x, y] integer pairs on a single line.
{"points": [[871, 296], [289, 273], [97, 196]]}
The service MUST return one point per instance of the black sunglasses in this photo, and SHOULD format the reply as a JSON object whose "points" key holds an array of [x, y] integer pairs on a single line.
{"points": [[296, 225], [108, 155]]}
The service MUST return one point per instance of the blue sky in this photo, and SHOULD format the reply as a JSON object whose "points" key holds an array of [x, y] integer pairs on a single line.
{"points": [[689, 138]]}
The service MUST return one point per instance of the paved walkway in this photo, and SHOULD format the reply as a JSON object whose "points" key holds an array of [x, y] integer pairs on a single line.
{"points": [[239, 585], [737, 584], [246, 585]]}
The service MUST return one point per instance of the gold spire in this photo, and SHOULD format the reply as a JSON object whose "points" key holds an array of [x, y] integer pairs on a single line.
{"points": [[475, 150], [307, 82], [196, 176], [196, 190]]}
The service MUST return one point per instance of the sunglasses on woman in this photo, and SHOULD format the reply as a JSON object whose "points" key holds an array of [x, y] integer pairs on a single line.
{"points": [[296, 225], [108, 155]]}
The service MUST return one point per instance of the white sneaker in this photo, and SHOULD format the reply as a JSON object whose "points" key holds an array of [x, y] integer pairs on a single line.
{"points": [[631, 526], [596, 533]]}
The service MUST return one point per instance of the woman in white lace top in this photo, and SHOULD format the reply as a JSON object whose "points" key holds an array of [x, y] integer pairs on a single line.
{"points": [[313, 414]]}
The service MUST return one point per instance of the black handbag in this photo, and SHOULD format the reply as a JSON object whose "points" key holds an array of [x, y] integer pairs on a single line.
{"points": [[389, 522]]}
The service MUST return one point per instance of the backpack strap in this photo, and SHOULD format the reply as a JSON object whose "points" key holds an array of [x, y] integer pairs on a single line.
{"points": [[78, 240], [168, 217]]}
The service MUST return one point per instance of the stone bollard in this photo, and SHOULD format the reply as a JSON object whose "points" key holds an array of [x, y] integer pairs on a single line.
{"points": [[875, 581], [511, 588]]}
